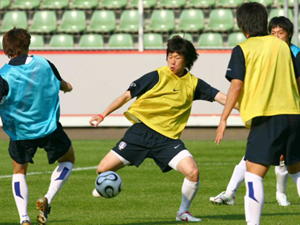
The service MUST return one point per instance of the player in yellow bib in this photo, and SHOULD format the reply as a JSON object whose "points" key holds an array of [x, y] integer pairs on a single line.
{"points": [[163, 104]]}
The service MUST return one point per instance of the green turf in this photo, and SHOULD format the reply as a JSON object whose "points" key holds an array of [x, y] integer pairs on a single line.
{"points": [[149, 197]]}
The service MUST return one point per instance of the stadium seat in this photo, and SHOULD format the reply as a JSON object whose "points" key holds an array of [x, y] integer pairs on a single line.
{"points": [[153, 40], [113, 4], [44, 22], [73, 21], [210, 40], [146, 3], [186, 36], [201, 3], [36, 41], [129, 21], [103, 21], [4, 4], [120, 41], [291, 3], [54, 4], [266, 3], [61, 41], [191, 20], [172, 4], [14, 19], [26, 4], [280, 12], [162, 21], [229, 3], [84, 4], [220, 20], [91, 41], [235, 38]]}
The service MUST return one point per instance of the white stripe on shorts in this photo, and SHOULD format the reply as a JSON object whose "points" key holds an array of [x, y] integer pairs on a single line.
{"points": [[177, 158], [124, 161]]}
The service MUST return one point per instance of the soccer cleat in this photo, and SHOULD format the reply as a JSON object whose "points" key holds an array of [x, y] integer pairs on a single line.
{"points": [[281, 199], [44, 210], [25, 222], [222, 199], [187, 216]]}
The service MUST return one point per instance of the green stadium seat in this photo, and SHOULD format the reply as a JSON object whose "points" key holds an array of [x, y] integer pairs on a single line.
{"points": [[186, 36], [280, 12], [113, 4], [14, 19], [147, 4], [153, 40], [235, 38], [162, 21], [266, 3], [61, 41], [84, 4], [191, 20], [103, 21], [129, 21], [172, 4], [91, 41], [220, 20], [26, 4], [229, 3], [44, 22], [36, 41], [54, 4], [291, 3], [4, 4], [120, 41], [210, 40], [73, 21], [201, 3]]}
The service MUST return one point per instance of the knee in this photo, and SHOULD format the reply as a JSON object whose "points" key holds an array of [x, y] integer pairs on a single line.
{"points": [[193, 174]]}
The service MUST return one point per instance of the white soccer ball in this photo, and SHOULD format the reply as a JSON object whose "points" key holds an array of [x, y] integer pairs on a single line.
{"points": [[109, 184]]}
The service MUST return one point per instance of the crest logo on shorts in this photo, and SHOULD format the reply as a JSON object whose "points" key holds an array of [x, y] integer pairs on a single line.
{"points": [[122, 145]]}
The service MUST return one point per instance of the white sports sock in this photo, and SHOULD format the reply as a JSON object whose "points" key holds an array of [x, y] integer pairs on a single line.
{"points": [[236, 179], [189, 190], [20, 192], [282, 177], [59, 177], [296, 178], [254, 199]]}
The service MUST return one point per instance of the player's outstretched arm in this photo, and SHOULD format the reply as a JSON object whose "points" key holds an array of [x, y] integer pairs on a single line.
{"points": [[65, 86], [233, 94], [221, 98], [96, 120]]}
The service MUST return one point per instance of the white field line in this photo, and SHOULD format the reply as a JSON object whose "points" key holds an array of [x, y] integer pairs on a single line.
{"points": [[94, 167]]}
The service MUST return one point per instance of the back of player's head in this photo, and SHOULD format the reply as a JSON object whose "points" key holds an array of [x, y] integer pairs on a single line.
{"points": [[252, 18], [183, 47], [284, 23], [15, 42]]}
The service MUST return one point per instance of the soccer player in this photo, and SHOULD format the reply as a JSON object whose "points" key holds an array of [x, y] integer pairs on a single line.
{"points": [[269, 103], [30, 111], [160, 113], [282, 28]]}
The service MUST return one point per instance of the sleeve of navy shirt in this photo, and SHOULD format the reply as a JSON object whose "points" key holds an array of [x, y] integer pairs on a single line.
{"points": [[236, 68], [205, 92], [296, 62], [55, 71], [3, 88], [143, 84]]}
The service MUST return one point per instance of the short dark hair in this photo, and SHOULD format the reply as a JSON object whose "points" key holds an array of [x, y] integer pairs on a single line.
{"points": [[284, 23], [15, 42], [183, 47], [252, 18]]}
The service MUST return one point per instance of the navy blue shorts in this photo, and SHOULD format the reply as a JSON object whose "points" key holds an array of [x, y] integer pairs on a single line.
{"points": [[141, 142], [273, 136], [55, 144]]}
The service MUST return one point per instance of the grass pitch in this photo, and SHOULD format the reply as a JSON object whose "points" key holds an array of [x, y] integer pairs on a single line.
{"points": [[149, 197]]}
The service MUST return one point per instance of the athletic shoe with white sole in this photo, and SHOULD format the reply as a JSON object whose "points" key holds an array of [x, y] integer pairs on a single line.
{"points": [[44, 210], [222, 199], [25, 222], [187, 216], [281, 199]]}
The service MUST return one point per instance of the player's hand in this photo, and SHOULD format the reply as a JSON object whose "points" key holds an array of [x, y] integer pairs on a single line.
{"points": [[95, 121], [220, 131], [68, 88]]}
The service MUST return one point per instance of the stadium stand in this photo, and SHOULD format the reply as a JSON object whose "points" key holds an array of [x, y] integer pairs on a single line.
{"points": [[129, 21], [84, 4], [229, 3], [186, 36], [153, 40], [54, 4], [266, 3], [162, 21], [43, 22], [174, 4], [120, 40], [1, 41], [235, 38], [290, 3], [12, 19], [115, 4], [4, 4], [103, 21], [61, 41], [210, 40], [147, 4], [201, 3], [73, 21], [91, 41], [220, 20], [26, 4], [280, 12], [37, 41], [191, 20]]}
